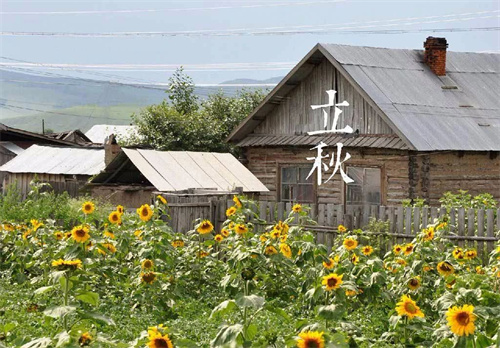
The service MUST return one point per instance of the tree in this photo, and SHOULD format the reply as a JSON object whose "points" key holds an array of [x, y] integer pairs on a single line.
{"points": [[188, 125]]}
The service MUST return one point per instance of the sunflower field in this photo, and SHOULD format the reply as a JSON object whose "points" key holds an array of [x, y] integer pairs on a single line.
{"points": [[116, 278]]}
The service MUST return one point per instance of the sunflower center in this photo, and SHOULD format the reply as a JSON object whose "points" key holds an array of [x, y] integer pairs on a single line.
{"points": [[463, 318], [445, 267], [410, 308], [88, 207], [332, 282], [414, 282], [311, 343], [80, 233], [161, 343]]}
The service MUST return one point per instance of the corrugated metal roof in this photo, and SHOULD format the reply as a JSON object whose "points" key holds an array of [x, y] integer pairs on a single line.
{"points": [[181, 170], [57, 160], [411, 97], [11, 147], [374, 141], [99, 132]]}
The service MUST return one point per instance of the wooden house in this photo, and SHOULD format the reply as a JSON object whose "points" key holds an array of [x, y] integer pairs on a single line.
{"points": [[425, 122]]}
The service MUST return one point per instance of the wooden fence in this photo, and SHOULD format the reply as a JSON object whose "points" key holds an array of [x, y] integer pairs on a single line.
{"points": [[468, 227]]}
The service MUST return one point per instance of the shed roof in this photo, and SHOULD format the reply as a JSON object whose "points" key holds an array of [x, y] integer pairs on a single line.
{"points": [[459, 111], [57, 160], [171, 171], [11, 147], [99, 132]]}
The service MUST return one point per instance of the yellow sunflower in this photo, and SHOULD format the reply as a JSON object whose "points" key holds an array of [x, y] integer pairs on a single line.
{"points": [[205, 227], [414, 283], [36, 224], [286, 250], [202, 254], [297, 208], [109, 247], [120, 209], [408, 307], [461, 320], [115, 218], [350, 293], [329, 263], [350, 243], [408, 249], [429, 234], [67, 264], [109, 234], [367, 250], [58, 235], [355, 259], [88, 207], [441, 226], [159, 341], [148, 277], [8, 227], [270, 250], [178, 243], [218, 238], [84, 339], [470, 254], [264, 237], [162, 199], [225, 232], [80, 233], [341, 228], [237, 202], [137, 234], [401, 262], [427, 268], [445, 268], [147, 264], [480, 270], [311, 339], [145, 212], [332, 281], [241, 229], [458, 253], [397, 249], [230, 211]]}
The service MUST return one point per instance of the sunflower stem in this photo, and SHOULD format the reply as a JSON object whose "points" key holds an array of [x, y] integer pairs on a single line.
{"points": [[473, 341], [66, 293], [245, 292]]}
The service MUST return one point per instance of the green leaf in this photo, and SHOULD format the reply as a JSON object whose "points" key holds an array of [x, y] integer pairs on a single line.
{"points": [[64, 339], [98, 317], [483, 342], [58, 312], [250, 301], [185, 343], [89, 297], [338, 340], [224, 308], [228, 334], [331, 312], [250, 332], [43, 289], [38, 343], [273, 309]]}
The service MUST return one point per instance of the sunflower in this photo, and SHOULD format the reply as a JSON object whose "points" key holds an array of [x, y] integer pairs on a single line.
{"points": [[441, 226], [67, 264], [470, 254], [36, 224], [8, 227], [414, 283], [58, 235], [264, 237], [311, 339], [355, 259], [408, 307], [159, 341], [270, 250], [297, 208], [148, 277], [286, 250], [275, 234], [241, 229], [397, 249], [458, 253], [115, 218], [329, 263], [283, 238], [218, 238], [177, 243], [202, 254], [461, 320], [230, 211], [429, 234], [341, 228], [162, 199], [367, 250], [145, 212], [408, 249], [147, 264], [479, 270], [26, 234], [350, 243], [427, 268], [332, 281], [205, 227], [445, 268], [109, 234], [88, 207], [109, 247], [137, 234], [231, 225], [80, 234], [84, 339], [225, 232], [120, 209], [401, 262], [350, 293], [237, 202]]}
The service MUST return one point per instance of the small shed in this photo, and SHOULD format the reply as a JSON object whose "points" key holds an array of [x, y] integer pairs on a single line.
{"points": [[134, 174], [65, 168]]}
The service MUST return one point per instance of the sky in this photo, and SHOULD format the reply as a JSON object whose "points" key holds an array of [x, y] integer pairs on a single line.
{"points": [[217, 41]]}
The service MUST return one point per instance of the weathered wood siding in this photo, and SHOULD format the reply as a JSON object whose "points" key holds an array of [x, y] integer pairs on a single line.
{"points": [[127, 195], [294, 113], [264, 162], [59, 183]]}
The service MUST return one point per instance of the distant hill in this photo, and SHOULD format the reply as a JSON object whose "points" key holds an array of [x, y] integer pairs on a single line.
{"points": [[74, 103]]}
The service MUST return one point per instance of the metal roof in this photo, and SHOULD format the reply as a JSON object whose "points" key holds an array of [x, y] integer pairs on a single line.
{"points": [[57, 160], [11, 147], [99, 132], [459, 111], [171, 171]]}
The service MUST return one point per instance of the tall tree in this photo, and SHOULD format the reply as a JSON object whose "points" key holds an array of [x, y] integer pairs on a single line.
{"points": [[181, 92]]}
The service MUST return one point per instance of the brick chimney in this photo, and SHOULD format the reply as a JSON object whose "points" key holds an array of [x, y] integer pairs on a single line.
{"points": [[111, 149], [435, 54]]}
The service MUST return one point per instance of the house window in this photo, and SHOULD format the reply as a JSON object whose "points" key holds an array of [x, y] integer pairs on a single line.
{"points": [[294, 185], [366, 186]]}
